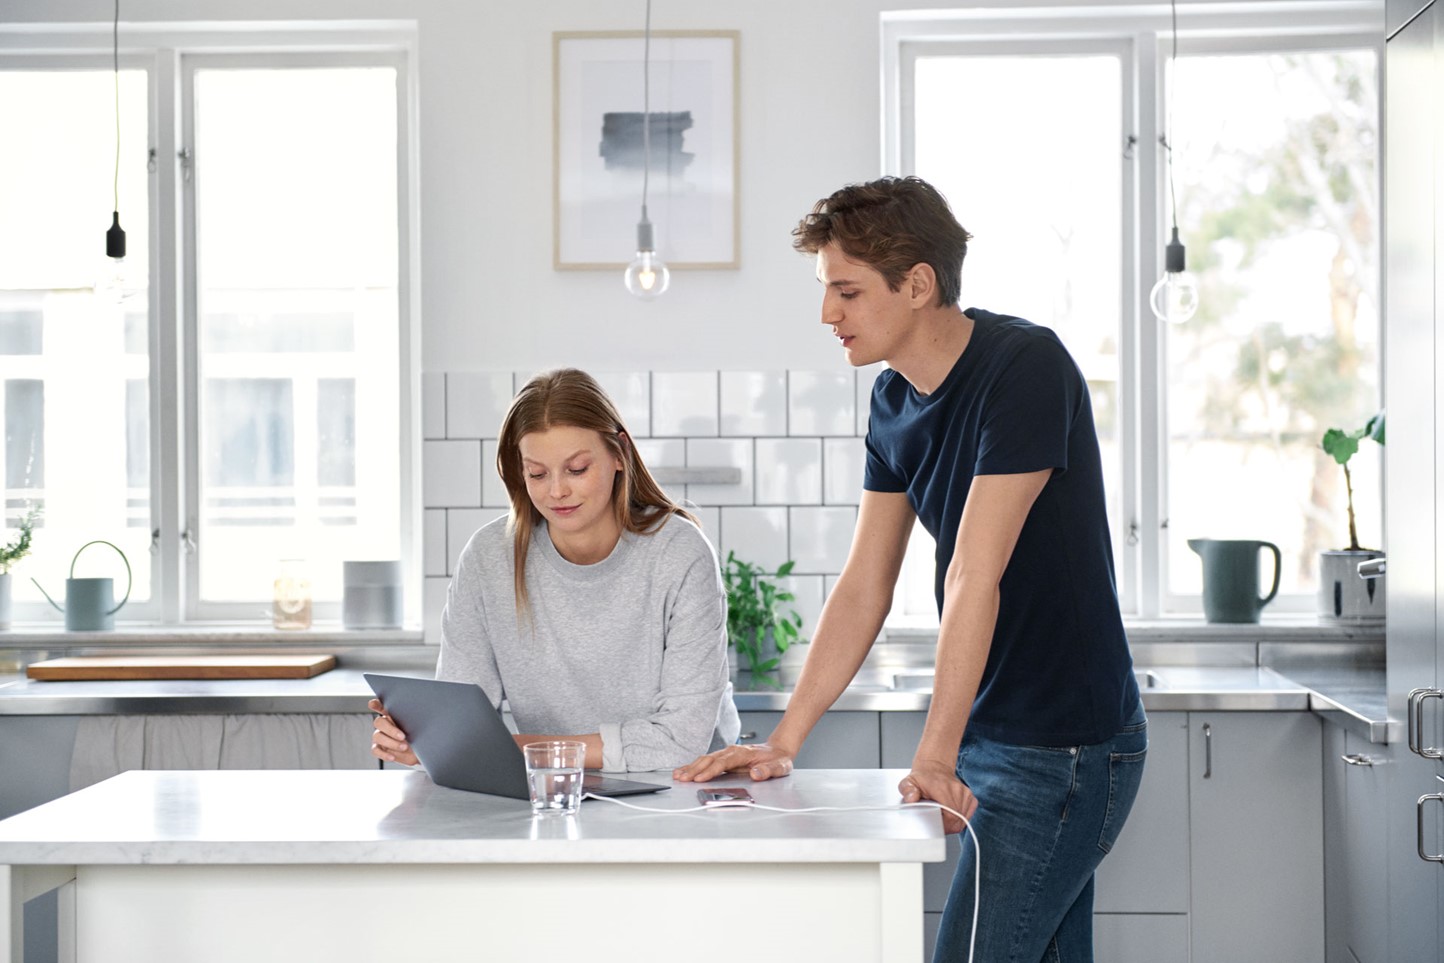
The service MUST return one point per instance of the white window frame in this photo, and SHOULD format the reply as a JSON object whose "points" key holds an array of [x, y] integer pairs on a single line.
{"points": [[166, 51], [1143, 31]]}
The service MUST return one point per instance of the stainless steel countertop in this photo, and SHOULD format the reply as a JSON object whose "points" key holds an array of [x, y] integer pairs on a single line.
{"points": [[1353, 697]]}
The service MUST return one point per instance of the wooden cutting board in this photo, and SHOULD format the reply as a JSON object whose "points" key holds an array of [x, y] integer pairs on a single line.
{"points": [[94, 668]]}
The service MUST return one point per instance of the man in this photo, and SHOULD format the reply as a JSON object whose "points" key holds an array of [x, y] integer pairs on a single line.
{"points": [[982, 428]]}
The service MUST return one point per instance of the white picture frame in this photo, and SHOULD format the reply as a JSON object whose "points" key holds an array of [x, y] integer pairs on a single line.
{"points": [[692, 196]]}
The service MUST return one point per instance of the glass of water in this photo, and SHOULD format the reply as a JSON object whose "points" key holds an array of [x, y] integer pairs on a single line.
{"points": [[554, 773]]}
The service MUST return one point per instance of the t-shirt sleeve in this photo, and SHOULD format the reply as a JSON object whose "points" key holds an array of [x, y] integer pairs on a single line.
{"points": [[1029, 412], [877, 475]]}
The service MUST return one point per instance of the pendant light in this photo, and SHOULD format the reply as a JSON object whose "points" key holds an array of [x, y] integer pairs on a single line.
{"points": [[647, 276], [112, 283], [1174, 297]]}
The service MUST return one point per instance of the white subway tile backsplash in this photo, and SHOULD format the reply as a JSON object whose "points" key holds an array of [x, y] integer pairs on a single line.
{"points": [[664, 453], [753, 402], [724, 453], [631, 392], [476, 401], [790, 471], [808, 603], [821, 403], [757, 535], [433, 602], [433, 541], [865, 378], [842, 468], [451, 474], [433, 404], [493, 490], [461, 524], [821, 538], [684, 403]]}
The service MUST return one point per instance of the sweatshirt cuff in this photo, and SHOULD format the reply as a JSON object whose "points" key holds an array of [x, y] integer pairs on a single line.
{"points": [[613, 758]]}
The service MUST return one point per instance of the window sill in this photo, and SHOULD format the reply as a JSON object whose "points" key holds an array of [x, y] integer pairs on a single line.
{"points": [[208, 633]]}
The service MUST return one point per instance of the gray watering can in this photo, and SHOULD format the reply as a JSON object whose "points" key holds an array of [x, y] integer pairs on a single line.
{"points": [[1230, 578], [88, 601]]}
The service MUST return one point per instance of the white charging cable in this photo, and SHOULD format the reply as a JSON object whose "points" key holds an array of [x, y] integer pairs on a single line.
{"points": [[925, 804]]}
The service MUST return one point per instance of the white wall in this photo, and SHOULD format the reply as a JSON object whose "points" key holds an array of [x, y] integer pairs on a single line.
{"points": [[490, 298]]}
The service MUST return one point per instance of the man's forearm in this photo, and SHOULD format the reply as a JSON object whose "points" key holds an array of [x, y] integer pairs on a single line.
{"points": [[970, 614], [849, 625]]}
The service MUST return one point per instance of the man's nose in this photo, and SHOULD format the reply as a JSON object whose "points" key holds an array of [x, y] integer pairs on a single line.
{"points": [[831, 311]]}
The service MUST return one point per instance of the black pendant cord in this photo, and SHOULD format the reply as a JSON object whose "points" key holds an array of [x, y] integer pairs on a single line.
{"points": [[115, 237], [115, 63]]}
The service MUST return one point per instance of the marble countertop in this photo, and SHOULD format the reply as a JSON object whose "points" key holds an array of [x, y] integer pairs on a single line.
{"points": [[374, 816]]}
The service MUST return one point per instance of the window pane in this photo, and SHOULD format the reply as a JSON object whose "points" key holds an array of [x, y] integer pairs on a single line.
{"points": [[1275, 163], [1043, 249], [298, 324], [68, 356]]}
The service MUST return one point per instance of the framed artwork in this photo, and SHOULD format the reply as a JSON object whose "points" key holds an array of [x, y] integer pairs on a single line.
{"points": [[597, 134]]}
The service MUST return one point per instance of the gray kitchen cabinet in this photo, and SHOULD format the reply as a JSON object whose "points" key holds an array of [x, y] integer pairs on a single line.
{"points": [[1355, 849], [840, 740], [35, 756], [1256, 867], [1140, 937], [1147, 871]]}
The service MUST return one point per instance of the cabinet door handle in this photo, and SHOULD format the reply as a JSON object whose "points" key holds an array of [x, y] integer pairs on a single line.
{"points": [[1357, 759], [1415, 721], [1439, 858], [746, 737], [1207, 751]]}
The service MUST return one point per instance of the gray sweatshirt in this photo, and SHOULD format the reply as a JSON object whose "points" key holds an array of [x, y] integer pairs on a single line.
{"points": [[633, 647]]}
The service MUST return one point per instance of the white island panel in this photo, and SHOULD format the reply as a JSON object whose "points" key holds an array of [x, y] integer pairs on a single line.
{"points": [[354, 865]]}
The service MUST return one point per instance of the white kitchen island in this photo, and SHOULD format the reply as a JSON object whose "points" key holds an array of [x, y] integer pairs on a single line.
{"points": [[250, 866]]}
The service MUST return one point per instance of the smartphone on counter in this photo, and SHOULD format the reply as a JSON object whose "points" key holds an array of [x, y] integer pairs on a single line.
{"points": [[725, 796]]}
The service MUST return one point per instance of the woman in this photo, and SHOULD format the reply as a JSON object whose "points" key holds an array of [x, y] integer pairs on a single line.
{"points": [[596, 609]]}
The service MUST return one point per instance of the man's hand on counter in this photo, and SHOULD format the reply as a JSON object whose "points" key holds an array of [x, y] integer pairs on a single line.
{"points": [[940, 784], [760, 761]]}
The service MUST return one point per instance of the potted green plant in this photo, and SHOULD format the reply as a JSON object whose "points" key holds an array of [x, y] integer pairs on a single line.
{"points": [[10, 553], [1343, 595], [758, 626]]}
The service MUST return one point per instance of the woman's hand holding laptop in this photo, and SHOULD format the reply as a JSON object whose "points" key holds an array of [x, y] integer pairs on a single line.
{"points": [[388, 742]]}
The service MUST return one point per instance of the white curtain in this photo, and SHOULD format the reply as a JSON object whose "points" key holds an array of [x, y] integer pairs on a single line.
{"points": [[108, 745]]}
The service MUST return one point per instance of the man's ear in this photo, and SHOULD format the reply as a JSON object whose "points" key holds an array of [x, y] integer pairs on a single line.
{"points": [[922, 285]]}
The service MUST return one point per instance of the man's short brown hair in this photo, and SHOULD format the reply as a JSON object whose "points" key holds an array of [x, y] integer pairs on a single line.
{"points": [[891, 224]]}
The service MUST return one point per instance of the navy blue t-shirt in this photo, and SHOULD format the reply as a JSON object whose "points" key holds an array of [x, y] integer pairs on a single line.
{"points": [[1059, 672]]}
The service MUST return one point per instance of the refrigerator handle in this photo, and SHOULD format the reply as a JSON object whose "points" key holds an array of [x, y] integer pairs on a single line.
{"points": [[1419, 839], [1415, 722]]}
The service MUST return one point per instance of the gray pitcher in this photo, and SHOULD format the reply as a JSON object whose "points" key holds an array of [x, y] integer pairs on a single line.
{"points": [[1231, 578], [90, 604]]}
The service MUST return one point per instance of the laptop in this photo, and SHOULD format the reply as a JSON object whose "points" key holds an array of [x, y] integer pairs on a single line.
{"points": [[463, 743]]}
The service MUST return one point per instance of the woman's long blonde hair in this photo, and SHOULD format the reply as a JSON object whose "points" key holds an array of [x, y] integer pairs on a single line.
{"points": [[571, 398]]}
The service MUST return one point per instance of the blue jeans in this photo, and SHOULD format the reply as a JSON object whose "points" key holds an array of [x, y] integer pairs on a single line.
{"points": [[1046, 817]]}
